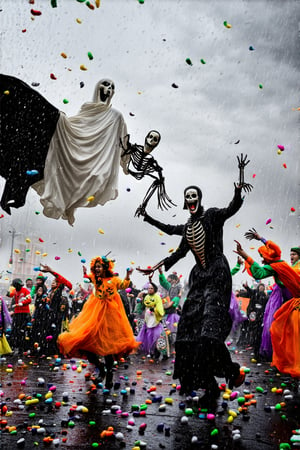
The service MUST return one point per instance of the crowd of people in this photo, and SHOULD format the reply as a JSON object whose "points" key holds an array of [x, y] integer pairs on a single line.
{"points": [[111, 318]]}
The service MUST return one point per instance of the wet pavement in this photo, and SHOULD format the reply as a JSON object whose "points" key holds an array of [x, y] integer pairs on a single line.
{"points": [[53, 403]]}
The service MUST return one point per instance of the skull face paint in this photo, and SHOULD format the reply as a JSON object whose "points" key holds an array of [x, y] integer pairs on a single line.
{"points": [[192, 200], [105, 91], [151, 141]]}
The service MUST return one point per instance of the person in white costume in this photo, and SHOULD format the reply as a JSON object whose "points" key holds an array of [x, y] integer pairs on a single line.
{"points": [[82, 164]]}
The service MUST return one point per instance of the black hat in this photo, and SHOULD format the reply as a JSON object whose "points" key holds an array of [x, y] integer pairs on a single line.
{"points": [[17, 282]]}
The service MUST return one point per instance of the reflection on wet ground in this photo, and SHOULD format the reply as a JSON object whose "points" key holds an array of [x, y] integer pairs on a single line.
{"points": [[54, 403]]}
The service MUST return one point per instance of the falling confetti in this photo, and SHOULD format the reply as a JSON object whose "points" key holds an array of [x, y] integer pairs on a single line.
{"points": [[268, 221], [82, 67], [237, 142], [65, 101], [284, 165], [64, 55], [41, 240], [260, 86], [1, 216], [79, 21], [293, 209], [188, 61], [91, 198], [254, 175], [57, 258], [171, 250], [131, 114], [281, 147], [52, 76], [6, 92], [100, 231], [81, 84], [90, 55], [226, 24], [202, 61], [251, 48], [83, 261], [175, 86], [35, 12], [97, 3], [90, 5]]}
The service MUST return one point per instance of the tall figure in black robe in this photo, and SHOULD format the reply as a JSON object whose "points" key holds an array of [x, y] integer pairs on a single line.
{"points": [[201, 353]]}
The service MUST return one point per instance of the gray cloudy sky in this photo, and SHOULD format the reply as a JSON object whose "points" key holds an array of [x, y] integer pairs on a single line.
{"points": [[143, 48]]}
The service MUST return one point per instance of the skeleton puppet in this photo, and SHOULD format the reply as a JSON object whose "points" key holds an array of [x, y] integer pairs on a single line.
{"points": [[137, 161], [205, 321], [70, 161]]}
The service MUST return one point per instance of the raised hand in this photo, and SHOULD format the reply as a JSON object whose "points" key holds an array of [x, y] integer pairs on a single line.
{"points": [[252, 234], [242, 163]]}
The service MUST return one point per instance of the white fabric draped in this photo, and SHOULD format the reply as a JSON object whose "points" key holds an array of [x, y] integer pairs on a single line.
{"points": [[83, 160]]}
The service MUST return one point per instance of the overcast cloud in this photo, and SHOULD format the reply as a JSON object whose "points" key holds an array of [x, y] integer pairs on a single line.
{"points": [[143, 48]]}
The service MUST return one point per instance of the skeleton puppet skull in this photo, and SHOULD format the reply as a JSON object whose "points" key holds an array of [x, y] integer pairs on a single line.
{"points": [[151, 141], [192, 199], [104, 91]]}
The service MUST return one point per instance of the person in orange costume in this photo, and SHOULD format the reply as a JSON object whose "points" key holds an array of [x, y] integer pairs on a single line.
{"points": [[102, 327], [285, 329]]}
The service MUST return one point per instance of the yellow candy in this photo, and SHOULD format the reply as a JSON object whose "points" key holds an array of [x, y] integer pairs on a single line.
{"points": [[28, 240], [37, 252], [91, 198], [16, 250], [6, 92], [229, 419], [232, 413], [84, 409], [9, 370], [169, 401], [226, 396], [45, 254], [48, 395]]}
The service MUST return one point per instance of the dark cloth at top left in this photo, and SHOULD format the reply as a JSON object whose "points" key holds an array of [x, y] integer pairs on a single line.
{"points": [[27, 123]]}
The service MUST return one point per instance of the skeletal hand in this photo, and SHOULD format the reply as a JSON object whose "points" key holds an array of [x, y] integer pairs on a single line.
{"points": [[242, 163]]}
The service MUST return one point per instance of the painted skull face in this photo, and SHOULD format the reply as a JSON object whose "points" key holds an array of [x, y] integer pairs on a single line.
{"points": [[151, 141], [192, 200], [106, 89]]}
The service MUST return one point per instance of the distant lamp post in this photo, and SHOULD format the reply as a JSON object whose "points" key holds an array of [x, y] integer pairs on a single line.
{"points": [[13, 235]]}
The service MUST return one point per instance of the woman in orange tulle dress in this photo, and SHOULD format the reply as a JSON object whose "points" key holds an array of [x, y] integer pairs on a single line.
{"points": [[102, 327], [285, 328]]}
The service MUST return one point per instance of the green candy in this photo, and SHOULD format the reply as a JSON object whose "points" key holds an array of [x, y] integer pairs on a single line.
{"points": [[188, 412], [259, 389], [214, 432], [284, 446]]}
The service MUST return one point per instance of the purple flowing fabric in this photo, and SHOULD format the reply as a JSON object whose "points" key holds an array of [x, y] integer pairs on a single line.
{"points": [[277, 297], [5, 314], [235, 313], [148, 337], [171, 320]]}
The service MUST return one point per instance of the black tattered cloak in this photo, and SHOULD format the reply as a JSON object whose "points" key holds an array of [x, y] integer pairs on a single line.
{"points": [[27, 123]]}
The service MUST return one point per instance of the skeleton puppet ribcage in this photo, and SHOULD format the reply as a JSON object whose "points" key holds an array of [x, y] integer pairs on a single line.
{"points": [[195, 235], [142, 163]]}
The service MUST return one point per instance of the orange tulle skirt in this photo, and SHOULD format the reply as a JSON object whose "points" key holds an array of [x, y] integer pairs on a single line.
{"points": [[285, 334], [102, 327]]}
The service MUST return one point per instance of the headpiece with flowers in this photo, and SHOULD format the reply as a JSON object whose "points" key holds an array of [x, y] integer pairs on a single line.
{"points": [[106, 263]]}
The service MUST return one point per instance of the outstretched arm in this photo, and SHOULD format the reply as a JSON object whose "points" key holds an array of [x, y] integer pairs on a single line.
{"points": [[168, 229]]}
